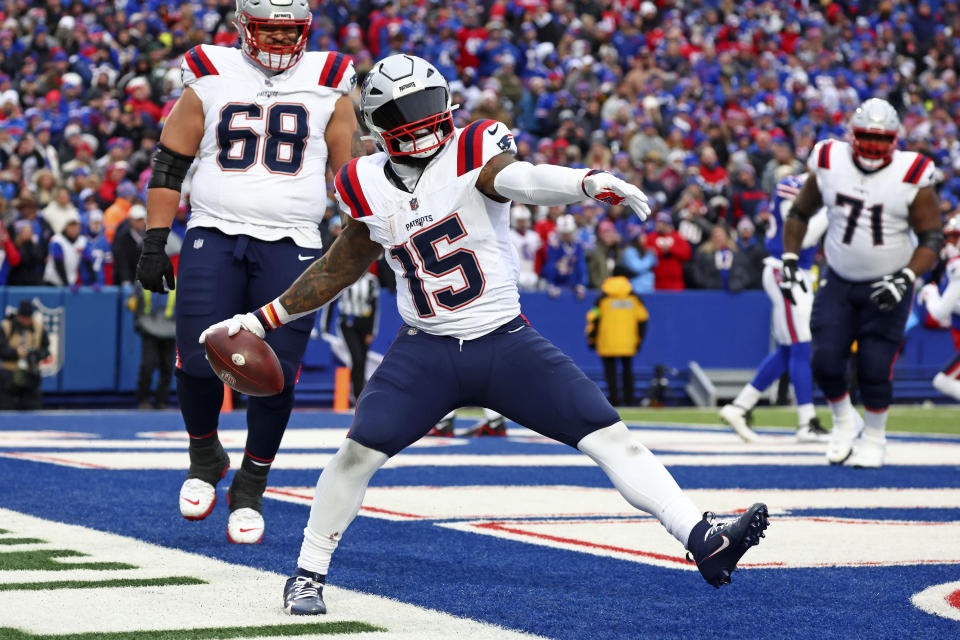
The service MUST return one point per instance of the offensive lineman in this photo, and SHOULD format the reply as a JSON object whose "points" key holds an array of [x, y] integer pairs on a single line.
{"points": [[874, 195], [437, 199], [944, 307], [264, 121], [791, 323]]}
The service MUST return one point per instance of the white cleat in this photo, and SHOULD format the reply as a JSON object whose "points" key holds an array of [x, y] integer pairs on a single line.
{"points": [[245, 526], [197, 499], [812, 432], [842, 438], [867, 452], [736, 417]]}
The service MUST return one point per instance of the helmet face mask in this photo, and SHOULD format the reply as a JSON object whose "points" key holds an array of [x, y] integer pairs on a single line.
{"points": [[261, 23], [415, 124], [875, 127], [406, 106]]}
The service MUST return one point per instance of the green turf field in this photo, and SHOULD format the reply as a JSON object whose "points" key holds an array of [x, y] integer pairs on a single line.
{"points": [[908, 418], [912, 418]]}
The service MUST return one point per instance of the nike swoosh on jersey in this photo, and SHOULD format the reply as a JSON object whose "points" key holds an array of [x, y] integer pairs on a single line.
{"points": [[514, 330], [303, 258]]}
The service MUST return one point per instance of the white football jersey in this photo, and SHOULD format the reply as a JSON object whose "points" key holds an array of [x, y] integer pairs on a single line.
{"points": [[868, 234], [449, 245], [262, 162]]}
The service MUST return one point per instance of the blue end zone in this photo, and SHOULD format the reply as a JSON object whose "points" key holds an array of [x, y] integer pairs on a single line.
{"points": [[551, 592]]}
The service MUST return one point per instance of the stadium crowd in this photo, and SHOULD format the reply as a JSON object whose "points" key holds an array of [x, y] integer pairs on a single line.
{"points": [[704, 104]]}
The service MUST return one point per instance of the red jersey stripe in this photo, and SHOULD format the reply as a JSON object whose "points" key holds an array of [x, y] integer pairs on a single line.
{"points": [[211, 70]]}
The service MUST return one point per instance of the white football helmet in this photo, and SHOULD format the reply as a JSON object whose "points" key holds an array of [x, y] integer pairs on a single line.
{"points": [[951, 231], [875, 127], [405, 103], [256, 16]]}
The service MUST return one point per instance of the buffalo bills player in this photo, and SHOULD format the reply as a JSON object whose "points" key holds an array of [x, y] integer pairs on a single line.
{"points": [[437, 200], [942, 303], [264, 122], [874, 194], [790, 326]]}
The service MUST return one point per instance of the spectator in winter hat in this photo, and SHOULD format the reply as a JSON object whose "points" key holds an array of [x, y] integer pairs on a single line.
{"points": [[672, 251], [60, 210], [115, 173], [119, 211]]}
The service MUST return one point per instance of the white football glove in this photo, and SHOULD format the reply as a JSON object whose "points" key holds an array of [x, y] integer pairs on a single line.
{"points": [[240, 321], [609, 189]]}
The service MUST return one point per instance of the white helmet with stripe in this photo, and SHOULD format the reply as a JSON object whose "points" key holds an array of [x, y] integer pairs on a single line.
{"points": [[405, 103], [875, 127], [256, 18]]}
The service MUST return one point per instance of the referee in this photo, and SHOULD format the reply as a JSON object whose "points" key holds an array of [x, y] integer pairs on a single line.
{"points": [[358, 324]]}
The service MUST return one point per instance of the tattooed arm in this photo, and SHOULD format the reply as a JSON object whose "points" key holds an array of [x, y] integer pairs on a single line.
{"points": [[347, 259]]}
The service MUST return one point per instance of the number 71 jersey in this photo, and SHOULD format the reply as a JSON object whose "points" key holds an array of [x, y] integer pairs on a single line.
{"points": [[449, 245], [262, 161], [868, 235]]}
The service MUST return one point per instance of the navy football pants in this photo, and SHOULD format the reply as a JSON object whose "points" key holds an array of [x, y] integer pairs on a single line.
{"points": [[842, 313], [218, 277], [512, 370]]}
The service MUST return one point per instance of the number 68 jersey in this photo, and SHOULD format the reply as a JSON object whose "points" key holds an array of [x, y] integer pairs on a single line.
{"points": [[448, 244], [262, 161], [868, 235]]}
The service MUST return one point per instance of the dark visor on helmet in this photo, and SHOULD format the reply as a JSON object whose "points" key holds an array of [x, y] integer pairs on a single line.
{"points": [[411, 108]]}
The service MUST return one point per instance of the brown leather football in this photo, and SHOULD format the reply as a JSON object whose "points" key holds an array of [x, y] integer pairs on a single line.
{"points": [[244, 362]]}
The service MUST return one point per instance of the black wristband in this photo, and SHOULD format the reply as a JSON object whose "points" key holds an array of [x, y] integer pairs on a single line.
{"points": [[156, 238]]}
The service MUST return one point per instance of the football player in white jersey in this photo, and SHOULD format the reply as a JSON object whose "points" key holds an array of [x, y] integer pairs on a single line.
{"points": [[875, 195], [437, 199], [790, 324], [261, 124], [943, 304]]}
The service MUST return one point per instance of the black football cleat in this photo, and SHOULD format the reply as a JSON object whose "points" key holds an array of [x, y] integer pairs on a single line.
{"points": [[495, 427], [443, 429], [716, 547], [303, 594]]}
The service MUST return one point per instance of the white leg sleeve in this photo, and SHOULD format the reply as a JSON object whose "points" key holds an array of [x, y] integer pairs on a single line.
{"points": [[545, 184], [641, 479], [336, 502]]}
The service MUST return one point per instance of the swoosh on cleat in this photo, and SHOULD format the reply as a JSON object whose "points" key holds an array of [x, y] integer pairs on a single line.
{"points": [[249, 530], [723, 545], [193, 502]]}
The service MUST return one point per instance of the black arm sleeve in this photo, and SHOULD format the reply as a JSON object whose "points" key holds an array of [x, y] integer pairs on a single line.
{"points": [[932, 239], [169, 169]]}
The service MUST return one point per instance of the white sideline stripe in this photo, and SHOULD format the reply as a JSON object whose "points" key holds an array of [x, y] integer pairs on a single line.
{"points": [[599, 522], [853, 542], [565, 501], [900, 453], [934, 600], [235, 596]]}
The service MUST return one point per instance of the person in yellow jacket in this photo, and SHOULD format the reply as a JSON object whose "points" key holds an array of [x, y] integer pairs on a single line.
{"points": [[616, 326]]}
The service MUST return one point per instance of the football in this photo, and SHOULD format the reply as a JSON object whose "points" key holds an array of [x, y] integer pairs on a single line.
{"points": [[244, 362]]}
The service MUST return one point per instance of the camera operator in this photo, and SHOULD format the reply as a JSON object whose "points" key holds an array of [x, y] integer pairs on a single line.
{"points": [[23, 344]]}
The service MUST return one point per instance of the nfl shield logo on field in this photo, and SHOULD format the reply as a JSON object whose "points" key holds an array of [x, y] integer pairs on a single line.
{"points": [[414, 205], [198, 243]]}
